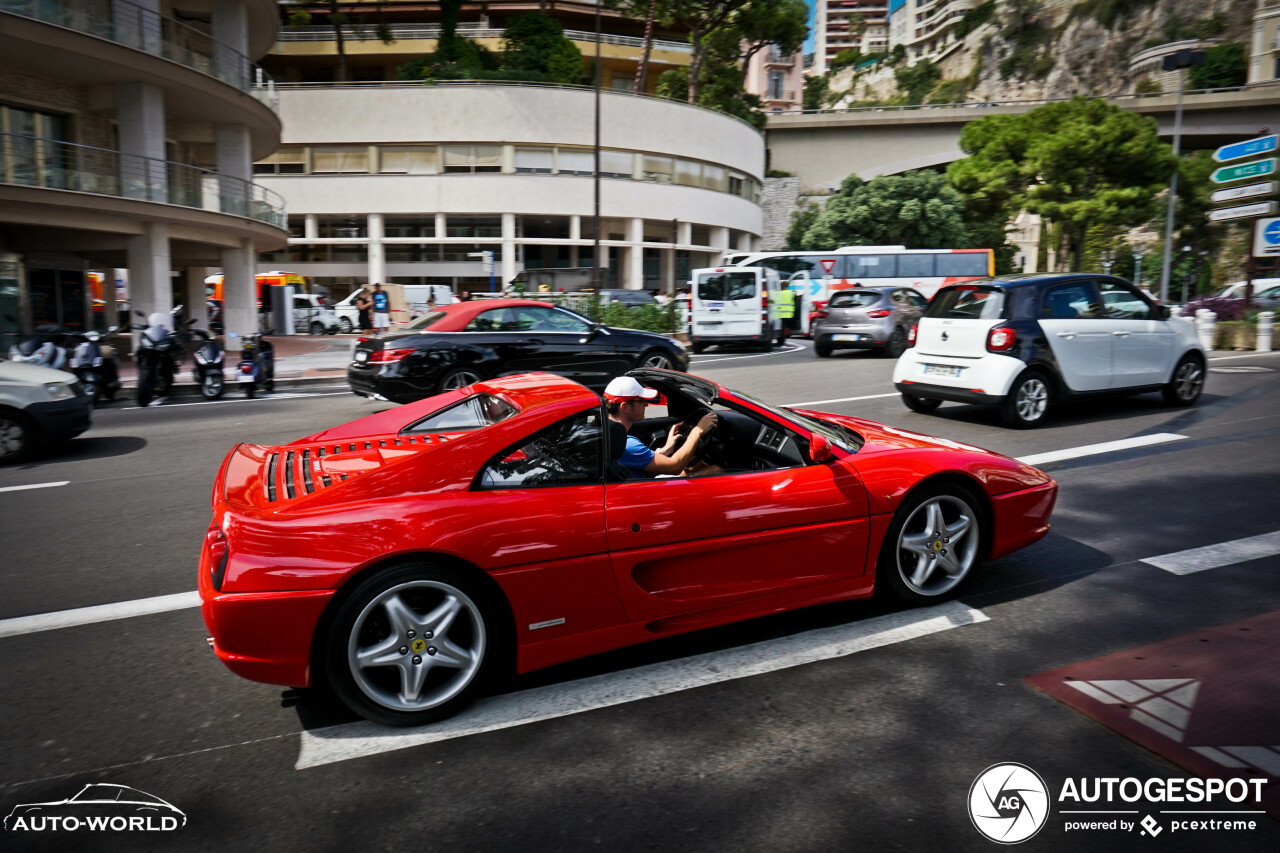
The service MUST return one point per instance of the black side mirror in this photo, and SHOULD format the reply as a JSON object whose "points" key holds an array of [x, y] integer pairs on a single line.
{"points": [[1163, 312]]}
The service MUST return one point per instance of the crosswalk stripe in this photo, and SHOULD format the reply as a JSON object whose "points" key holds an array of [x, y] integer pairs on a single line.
{"points": [[1216, 556]]}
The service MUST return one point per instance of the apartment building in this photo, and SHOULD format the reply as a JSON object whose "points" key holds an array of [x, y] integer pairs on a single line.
{"points": [[849, 25], [926, 28]]}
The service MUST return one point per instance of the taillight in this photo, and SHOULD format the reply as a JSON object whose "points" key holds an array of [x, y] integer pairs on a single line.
{"points": [[883, 312], [911, 337], [1001, 339], [822, 312], [386, 356], [216, 544], [247, 367]]}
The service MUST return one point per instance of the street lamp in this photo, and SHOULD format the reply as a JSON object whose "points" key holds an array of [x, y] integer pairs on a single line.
{"points": [[1179, 61]]}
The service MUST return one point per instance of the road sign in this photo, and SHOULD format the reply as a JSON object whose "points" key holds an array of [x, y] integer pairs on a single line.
{"points": [[1248, 148], [1266, 238], [1244, 211], [828, 264], [1256, 169], [1246, 191]]}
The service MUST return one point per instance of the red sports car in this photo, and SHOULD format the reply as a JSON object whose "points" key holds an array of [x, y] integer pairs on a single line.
{"points": [[405, 556]]}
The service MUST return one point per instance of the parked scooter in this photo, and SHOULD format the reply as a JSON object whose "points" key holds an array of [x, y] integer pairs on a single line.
{"points": [[158, 356], [257, 368], [207, 370], [95, 364], [44, 347]]}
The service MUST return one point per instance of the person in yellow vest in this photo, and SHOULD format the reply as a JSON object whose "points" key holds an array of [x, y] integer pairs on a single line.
{"points": [[786, 299]]}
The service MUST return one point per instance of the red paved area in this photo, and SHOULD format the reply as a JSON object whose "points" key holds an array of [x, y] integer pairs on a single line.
{"points": [[1207, 701]]}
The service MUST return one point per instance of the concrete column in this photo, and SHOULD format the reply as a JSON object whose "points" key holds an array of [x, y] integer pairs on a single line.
{"points": [[140, 125], [377, 252], [635, 254], [720, 239], [442, 229], [230, 24], [150, 287], [239, 294], [508, 269], [311, 227], [667, 271], [685, 233], [235, 166], [575, 227], [193, 298]]}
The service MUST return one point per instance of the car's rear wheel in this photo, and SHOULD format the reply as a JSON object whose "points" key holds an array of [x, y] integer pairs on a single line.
{"points": [[411, 644], [698, 349], [920, 405], [459, 377], [317, 328], [897, 343], [1027, 401], [145, 388], [656, 359], [1187, 383], [17, 437], [345, 326], [933, 544], [822, 350]]}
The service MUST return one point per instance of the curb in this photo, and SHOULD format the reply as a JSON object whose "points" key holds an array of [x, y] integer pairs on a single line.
{"points": [[188, 390]]}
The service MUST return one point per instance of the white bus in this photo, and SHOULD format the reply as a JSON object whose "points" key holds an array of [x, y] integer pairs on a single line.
{"points": [[816, 275]]}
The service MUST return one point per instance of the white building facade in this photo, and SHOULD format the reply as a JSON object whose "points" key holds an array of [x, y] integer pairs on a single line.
{"points": [[410, 183], [127, 137], [926, 28]]}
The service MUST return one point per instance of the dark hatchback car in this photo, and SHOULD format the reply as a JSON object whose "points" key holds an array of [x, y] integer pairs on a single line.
{"points": [[456, 345]]}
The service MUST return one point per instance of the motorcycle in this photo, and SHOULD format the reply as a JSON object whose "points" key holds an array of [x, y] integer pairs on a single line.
{"points": [[207, 371], [159, 355], [43, 348], [95, 364], [257, 368]]}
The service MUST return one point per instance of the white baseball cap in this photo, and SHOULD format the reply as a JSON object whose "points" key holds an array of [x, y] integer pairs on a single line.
{"points": [[625, 388]]}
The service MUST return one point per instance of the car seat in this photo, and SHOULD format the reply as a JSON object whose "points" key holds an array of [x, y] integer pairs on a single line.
{"points": [[1060, 308], [616, 442]]}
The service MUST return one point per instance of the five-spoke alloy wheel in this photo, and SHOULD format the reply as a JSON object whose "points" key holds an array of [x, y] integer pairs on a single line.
{"points": [[1187, 383], [1027, 401], [932, 546], [459, 377]]}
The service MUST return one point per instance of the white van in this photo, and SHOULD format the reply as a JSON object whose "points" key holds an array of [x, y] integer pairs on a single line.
{"points": [[734, 305]]}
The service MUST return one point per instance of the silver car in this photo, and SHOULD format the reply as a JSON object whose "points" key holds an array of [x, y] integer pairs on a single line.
{"points": [[868, 318]]}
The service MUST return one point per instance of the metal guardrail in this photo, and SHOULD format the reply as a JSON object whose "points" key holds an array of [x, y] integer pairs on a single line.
{"points": [[417, 84], [33, 161], [142, 29], [1135, 96], [409, 32]]}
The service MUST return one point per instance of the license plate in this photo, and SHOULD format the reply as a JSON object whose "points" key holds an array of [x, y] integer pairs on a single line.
{"points": [[846, 337], [362, 356], [245, 377], [942, 370], [715, 306], [711, 323]]}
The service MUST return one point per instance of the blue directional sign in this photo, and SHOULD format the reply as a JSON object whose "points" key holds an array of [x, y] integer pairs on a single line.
{"points": [[1248, 148], [1266, 239], [1271, 234]]}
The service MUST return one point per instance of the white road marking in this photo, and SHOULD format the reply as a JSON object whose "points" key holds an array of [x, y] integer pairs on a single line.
{"points": [[716, 359], [354, 740], [837, 400], [34, 486], [271, 396], [1249, 355], [1215, 556], [98, 613], [1104, 447]]}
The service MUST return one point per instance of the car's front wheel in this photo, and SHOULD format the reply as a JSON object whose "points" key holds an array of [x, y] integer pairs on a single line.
{"points": [[17, 437], [1187, 383], [933, 544], [317, 328], [345, 326], [411, 644], [1027, 401]]}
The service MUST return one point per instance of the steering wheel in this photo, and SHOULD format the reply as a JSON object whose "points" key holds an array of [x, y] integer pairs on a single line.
{"points": [[707, 444]]}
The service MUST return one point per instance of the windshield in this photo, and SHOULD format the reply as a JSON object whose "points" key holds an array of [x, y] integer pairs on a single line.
{"points": [[426, 320], [727, 286], [968, 302], [846, 439], [856, 299]]}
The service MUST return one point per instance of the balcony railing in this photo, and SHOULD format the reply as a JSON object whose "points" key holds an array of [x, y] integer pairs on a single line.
{"points": [[33, 161], [142, 29], [410, 32]]}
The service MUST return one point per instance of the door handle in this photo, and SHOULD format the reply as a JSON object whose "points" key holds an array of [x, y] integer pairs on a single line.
{"points": [[1121, 334], [1066, 334]]}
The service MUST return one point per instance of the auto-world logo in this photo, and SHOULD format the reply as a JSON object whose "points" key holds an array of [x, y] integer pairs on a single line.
{"points": [[98, 808], [1008, 803]]}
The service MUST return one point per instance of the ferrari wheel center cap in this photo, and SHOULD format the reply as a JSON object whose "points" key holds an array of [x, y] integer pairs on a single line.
{"points": [[937, 545], [419, 646]]}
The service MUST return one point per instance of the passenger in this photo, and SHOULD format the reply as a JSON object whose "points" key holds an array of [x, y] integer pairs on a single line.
{"points": [[625, 400]]}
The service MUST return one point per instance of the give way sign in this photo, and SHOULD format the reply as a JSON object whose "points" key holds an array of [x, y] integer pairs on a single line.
{"points": [[828, 264]]}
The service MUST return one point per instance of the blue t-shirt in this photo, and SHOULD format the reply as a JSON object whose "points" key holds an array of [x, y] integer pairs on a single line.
{"points": [[380, 301], [636, 457]]}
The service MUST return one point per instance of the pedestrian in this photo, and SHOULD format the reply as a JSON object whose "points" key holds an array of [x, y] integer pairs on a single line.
{"points": [[381, 309], [364, 312]]}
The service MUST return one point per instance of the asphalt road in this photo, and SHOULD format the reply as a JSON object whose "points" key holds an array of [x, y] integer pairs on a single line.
{"points": [[872, 750]]}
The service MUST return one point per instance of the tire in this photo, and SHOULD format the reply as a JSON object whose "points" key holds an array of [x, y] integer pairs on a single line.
{"points": [[250, 389], [93, 392], [458, 377], [1027, 402], [896, 345], [1187, 382], [317, 328], [656, 359], [345, 326], [438, 616], [698, 349], [934, 543], [146, 388], [822, 350], [211, 385], [920, 405], [18, 437]]}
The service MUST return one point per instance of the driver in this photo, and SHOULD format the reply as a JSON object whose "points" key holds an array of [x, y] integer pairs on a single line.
{"points": [[625, 400]]}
